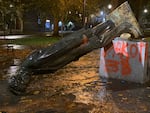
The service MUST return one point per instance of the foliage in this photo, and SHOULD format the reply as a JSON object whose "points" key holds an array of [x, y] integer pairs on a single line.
{"points": [[60, 9], [54, 9], [148, 14], [10, 10]]}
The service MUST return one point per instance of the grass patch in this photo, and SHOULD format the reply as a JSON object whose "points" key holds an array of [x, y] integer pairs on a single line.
{"points": [[147, 39], [35, 41]]}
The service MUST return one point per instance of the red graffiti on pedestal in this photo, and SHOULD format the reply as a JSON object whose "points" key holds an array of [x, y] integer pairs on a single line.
{"points": [[120, 55]]}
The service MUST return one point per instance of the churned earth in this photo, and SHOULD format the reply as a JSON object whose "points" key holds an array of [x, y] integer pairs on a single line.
{"points": [[76, 88]]}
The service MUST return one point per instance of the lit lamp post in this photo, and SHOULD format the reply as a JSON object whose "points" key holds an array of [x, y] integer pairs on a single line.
{"points": [[109, 6], [11, 18], [145, 11]]}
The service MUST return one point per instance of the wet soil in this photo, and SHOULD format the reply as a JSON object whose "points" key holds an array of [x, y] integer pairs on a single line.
{"points": [[76, 88]]}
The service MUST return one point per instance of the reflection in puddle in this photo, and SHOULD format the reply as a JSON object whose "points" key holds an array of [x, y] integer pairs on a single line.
{"points": [[17, 61], [13, 69], [102, 93], [14, 46], [13, 36]]}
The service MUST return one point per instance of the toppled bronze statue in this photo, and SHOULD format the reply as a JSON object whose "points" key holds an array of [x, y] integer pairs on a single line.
{"points": [[70, 48]]}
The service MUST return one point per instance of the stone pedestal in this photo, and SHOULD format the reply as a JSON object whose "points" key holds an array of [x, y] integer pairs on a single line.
{"points": [[126, 60]]}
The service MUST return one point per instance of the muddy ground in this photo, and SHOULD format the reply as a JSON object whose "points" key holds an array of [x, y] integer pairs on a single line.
{"points": [[76, 88]]}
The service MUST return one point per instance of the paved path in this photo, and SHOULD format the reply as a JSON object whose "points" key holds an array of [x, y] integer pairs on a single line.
{"points": [[77, 88], [13, 36]]}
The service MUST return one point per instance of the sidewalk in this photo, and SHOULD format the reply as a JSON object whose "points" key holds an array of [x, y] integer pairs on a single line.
{"points": [[13, 36]]}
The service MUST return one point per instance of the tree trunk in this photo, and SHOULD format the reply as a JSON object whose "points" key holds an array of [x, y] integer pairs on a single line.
{"points": [[21, 24], [56, 28], [19, 14]]}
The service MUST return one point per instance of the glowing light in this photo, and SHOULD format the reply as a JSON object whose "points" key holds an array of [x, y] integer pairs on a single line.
{"points": [[11, 5], [69, 12], [101, 13], [47, 20], [103, 16], [80, 15], [70, 23], [92, 15], [60, 23], [145, 11], [109, 6], [47, 24]]}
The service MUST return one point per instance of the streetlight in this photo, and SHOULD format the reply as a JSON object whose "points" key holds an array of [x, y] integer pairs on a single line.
{"points": [[11, 17], [69, 12], [109, 6], [11, 6], [145, 11]]}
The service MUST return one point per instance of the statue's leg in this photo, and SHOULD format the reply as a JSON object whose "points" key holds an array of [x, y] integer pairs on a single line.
{"points": [[94, 42], [52, 57]]}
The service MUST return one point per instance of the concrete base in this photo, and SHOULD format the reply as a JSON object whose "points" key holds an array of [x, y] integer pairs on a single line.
{"points": [[126, 60]]}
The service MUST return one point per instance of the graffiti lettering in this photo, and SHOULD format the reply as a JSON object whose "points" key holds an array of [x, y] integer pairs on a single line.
{"points": [[118, 58], [133, 52], [125, 66], [112, 65], [124, 49]]}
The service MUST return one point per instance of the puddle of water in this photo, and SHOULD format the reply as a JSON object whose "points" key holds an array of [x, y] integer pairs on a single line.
{"points": [[17, 62], [13, 68], [12, 71], [13, 36], [102, 94], [6, 97], [14, 46]]}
